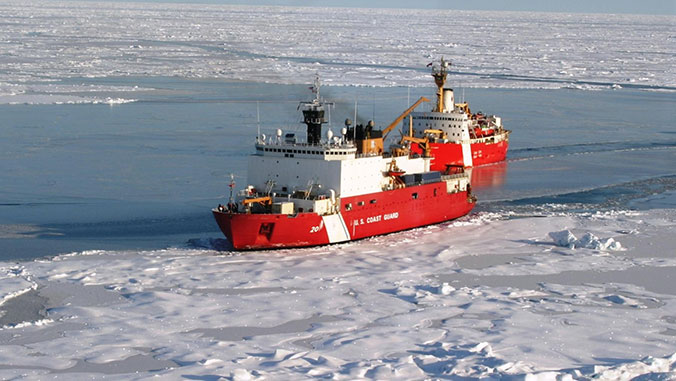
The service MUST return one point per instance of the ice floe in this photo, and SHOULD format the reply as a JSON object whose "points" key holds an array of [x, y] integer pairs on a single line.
{"points": [[566, 238]]}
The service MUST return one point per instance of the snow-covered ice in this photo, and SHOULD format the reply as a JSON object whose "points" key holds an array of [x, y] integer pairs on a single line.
{"points": [[47, 41], [404, 306]]}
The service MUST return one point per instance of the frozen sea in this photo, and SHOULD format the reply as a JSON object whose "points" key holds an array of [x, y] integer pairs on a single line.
{"points": [[121, 124]]}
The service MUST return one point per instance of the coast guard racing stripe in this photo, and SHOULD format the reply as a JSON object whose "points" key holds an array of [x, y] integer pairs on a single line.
{"points": [[336, 228], [466, 155]]}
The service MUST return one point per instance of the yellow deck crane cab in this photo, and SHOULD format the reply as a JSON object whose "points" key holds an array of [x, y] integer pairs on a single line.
{"points": [[374, 145], [422, 142]]}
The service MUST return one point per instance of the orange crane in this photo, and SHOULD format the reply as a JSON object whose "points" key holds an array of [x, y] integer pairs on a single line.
{"points": [[422, 142], [402, 116], [266, 200], [375, 145]]}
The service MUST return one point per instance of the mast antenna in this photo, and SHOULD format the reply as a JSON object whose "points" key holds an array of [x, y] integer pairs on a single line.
{"points": [[374, 105], [316, 86], [258, 119], [313, 114], [329, 110], [354, 131], [439, 73], [231, 185], [356, 107]]}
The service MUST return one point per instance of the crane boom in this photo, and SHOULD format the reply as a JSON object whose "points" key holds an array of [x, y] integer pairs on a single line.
{"points": [[267, 200], [403, 115]]}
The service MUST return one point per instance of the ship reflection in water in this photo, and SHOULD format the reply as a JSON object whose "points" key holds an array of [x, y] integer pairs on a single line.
{"points": [[486, 179]]}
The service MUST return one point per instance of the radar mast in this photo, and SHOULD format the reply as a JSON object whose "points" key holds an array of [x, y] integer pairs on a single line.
{"points": [[313, 114], [439, 72]]}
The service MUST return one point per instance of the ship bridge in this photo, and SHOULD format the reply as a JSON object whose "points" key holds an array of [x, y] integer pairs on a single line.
{"points": [[307, 151]]}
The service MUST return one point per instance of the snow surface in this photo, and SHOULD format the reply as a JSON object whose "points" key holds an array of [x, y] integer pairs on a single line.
{"points": [[486, 296], [44, 42]]}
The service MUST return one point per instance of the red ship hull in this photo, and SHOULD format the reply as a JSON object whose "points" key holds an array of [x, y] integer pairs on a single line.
{"points": [[368, 215], [444, 154]]}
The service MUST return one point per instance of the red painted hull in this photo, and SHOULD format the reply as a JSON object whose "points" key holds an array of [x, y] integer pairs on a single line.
{"points": [[380, 213], [444, 154]]}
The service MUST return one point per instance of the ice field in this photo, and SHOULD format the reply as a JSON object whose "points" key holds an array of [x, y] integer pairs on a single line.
{"points": [[44, 42], [121, 123], [434, 302]]}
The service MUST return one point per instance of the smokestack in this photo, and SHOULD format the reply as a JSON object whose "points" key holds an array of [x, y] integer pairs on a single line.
{"points": [[449, 100]]}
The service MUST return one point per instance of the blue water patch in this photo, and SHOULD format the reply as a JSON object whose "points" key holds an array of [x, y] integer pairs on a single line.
{"points": [[146, 174]]}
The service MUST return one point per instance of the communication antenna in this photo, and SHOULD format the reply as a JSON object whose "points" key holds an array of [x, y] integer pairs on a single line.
{"points": [[258, 118], [354, 131], [232, 186], [313, 114], [329, 110], [316, 84], [374, 105], [439, 73]]}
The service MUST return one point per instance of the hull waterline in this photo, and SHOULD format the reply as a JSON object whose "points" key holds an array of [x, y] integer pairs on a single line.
{"points": [[379, 213]]}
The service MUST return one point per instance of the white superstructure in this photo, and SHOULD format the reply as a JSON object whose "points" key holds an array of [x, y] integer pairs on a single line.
{"points": [[455, 122], [287, 168]]}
